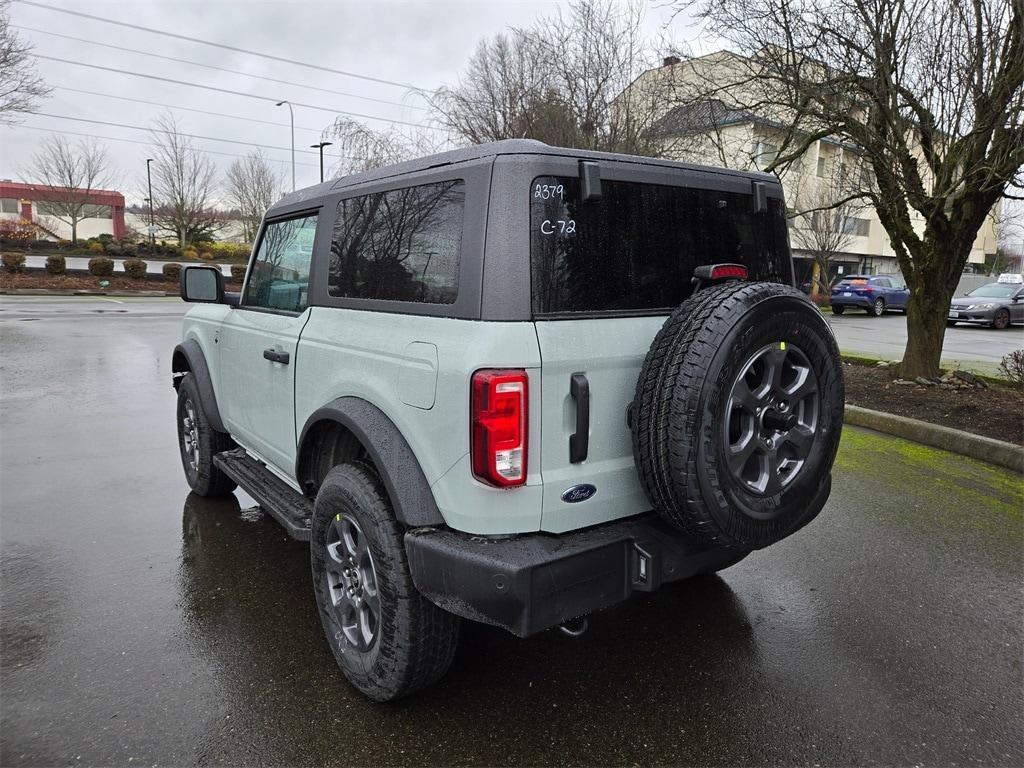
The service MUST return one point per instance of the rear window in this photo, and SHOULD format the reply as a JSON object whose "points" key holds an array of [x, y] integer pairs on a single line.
{"points": [[636, 248]]}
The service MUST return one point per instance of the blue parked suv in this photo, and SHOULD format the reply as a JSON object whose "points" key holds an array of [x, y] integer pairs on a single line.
{"points": [[872, 293]]}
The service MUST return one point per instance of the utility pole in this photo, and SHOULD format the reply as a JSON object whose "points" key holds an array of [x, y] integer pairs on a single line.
{"points": [[292, 116], [152, 229], [321, 146]]}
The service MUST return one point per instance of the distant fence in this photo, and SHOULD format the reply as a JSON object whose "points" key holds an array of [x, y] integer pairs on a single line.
{"points": [[970, 282]]}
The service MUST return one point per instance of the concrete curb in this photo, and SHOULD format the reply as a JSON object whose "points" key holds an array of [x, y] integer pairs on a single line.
{"points": [[953, 440], [50, 292]]}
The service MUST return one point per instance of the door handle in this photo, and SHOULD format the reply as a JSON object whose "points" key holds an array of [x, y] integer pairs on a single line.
{"points": [[276, 357], [579, 441]]}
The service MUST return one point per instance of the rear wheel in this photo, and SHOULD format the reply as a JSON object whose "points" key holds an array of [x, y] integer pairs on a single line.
{"points": [[950, 323], [1001, 319], [387, 638], [878, 308], [738, 414], [838, 310], [199, 442]]}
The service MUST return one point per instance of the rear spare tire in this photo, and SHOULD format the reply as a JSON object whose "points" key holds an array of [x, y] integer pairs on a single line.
{"points": [[737, 415]]}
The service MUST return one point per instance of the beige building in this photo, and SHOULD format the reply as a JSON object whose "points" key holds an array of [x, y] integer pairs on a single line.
{"points": [[714, 133]]}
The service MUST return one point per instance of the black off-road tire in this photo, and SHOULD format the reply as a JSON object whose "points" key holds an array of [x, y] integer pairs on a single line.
{"points": [[838, 310], [682, 407], [415, 641], [202, 475]]}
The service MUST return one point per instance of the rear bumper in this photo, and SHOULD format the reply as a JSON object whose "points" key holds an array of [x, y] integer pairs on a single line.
{"points": [[851, 301], [533, 582]]}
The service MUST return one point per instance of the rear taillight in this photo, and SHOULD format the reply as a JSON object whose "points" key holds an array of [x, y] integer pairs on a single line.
{"points": [[498, 415]]}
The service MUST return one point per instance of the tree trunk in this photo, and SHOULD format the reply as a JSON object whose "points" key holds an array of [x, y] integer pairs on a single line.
{"points": [[928, 307], [74, 232], [926, 328]]}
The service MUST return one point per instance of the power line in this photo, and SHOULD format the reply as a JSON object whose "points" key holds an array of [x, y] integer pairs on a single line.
{"points": [[139, 141], [187, 109], [221, 45], [229, 91], [189, 135], [219, 69]]}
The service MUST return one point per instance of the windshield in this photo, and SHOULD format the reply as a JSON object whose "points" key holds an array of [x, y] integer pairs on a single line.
{"points": [[995, 291], [635, 249]]}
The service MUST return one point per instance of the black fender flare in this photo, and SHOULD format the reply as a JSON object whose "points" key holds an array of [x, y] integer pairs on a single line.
{"points": [[397, 465], [195, 363]]}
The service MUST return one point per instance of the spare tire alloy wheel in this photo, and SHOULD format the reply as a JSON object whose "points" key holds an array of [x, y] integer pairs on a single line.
{"points": [[772, 418], [739, 409]]}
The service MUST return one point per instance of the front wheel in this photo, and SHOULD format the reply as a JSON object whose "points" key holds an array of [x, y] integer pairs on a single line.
{"points": [[838, 310], [198, 443], [877, 309], [387, 638], [1001, 319]]}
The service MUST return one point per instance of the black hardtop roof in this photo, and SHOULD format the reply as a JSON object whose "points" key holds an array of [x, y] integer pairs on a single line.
{"points": [[487, 150]]}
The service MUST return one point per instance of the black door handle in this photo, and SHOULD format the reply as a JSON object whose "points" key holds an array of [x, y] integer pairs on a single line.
{"points": [[579, 441], [276, 357]]}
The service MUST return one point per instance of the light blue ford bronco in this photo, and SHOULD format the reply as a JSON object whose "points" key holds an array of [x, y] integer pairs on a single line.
{"points": [[512, 384]]}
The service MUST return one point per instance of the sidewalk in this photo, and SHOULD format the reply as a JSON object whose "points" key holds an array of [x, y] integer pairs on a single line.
{"points": [[153, 267]]}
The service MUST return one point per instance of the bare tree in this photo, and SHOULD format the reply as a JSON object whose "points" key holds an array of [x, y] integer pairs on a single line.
{"points": [[20, 85], [823, 209], [252, 187], [362, 148], [67, 175], [931, 91], [183, 185], [559, 82]]}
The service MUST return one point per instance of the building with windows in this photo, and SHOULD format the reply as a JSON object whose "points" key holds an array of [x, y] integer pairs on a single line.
{"points": [[102, 209], [711, 132]]}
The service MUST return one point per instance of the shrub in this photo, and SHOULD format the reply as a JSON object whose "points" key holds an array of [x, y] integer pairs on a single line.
{"points": [[128, 249], [105, 238], [113, 248], [101, 266], [17, 233], [135, 268], [189, 253], [55, 265], [237, 271], [95, 247], [62, 244], [206, 255], [14, 262], [1012, 366], [172, 271]]}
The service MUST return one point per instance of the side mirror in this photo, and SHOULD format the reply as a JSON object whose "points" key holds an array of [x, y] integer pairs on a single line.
{"points": [[203, 285]]}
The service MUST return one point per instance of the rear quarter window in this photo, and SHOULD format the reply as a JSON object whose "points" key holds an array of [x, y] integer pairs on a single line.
{"points": [[636, 248]]}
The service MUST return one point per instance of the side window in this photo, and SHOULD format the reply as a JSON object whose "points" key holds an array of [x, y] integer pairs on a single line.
{"points": [[399, 245], [279, 278]]}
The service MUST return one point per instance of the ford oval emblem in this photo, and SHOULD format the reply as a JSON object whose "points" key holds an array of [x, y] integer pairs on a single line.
{"points": [[578, 493]]}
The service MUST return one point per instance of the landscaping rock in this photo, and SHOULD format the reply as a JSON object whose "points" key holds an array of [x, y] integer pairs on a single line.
{"points": [[924, 382], [903, 382]]}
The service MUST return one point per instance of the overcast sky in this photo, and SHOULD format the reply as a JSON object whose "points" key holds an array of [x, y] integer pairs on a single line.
{"points": [[425, 44]]}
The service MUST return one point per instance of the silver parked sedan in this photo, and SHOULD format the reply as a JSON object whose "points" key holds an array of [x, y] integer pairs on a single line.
{"points": [[994, 304]]}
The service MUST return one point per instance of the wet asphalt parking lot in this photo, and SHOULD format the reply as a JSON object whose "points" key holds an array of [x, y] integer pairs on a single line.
{"points": [[142, 625]]}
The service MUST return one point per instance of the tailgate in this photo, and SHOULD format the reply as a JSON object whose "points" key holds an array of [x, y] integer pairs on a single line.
{"points": [[609, 352]]}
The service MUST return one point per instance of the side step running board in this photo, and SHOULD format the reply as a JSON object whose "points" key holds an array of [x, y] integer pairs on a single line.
{"points": [[275, 497]]}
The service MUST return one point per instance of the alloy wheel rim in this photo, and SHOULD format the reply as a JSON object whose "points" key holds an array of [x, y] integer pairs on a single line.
{"points": [[773, 414], [190, 435], [351, 582]]}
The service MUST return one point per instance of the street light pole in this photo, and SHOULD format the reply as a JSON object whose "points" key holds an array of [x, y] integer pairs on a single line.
{"points": [[149, 182], [321, 146], [292, 116]]}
